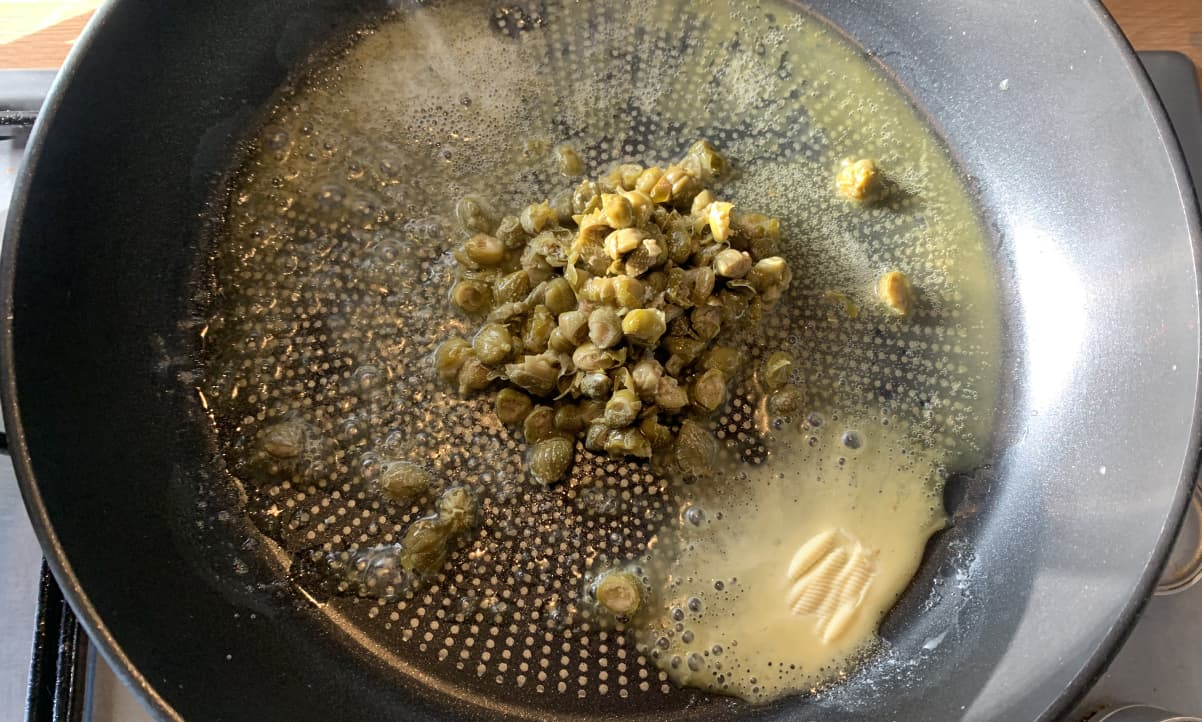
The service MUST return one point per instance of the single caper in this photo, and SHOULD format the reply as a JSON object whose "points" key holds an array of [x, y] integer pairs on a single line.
{"points": [[700, 202], [539, 424], [717, 214], [622, 409], [550, 458], [732, 264], [708, 162], [596, 436], [604, 327], [537, 374], [620, 593], [644, 325], [586, 197], [860, 180], [596, 385], [559, 298], [617, 210], [538, 329], [895, 291], [785, 400], [658, 435], [569, 161], [723, 358], [695, 450], [510, 232], [457, 508], [425, 545], [449, 357], [623, 241], [628, 442], [492, 344], [769, 272], [471, 296], [403, 481], [669, 396], [284, 440], [474, 376], [574, 326], [568, 419], [536, 216], [513, 406], [512, 287], [708, 391], [484, 249], [776, 370], [474, 214], [706, 322], [628, 292]]}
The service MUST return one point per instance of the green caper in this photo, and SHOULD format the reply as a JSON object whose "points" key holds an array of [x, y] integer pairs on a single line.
{"points": [[732, 264], [471, 296], [492, 344], [622, 409], [510, 232], [512, 287], [474, 376], [596, 436], [557, 341], [708, 391], [537, 374], [598, 290], [588, 357], [644, 325], [723, 358], [656, 281], [590, 410], [538, 329], [596, 385], [568, 419], [628, 292], [474, 214], [549, 459], [706, 322], [658, 435], [651, 253], [284, 440], [561, 203], [510, 312], [586, 197], [513, 406], [484, 249], [539, 424], [535, 265], [449, 357], [895, 291], [574, 326], [640, 206], [569, 161], [457, 508], [685, 347], [604, 327], [648, 179], [425, 545], [620, 593], [645, 376], [623, 241], [708, 162], [777, 368], [559, 298], [695, 450], [769, 273], [685, 185], [403, 481], [669, 396], [536, 216], [785, 400], [628, 442], [617, 210]]}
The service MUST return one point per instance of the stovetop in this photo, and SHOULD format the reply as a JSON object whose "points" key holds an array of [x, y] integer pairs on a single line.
{"points": [[1160, 664]]}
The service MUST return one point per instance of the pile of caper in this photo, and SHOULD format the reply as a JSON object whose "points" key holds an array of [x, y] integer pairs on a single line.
{"points": [[602, 312]]}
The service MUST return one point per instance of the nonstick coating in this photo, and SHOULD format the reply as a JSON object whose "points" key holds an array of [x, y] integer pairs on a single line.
{"points": [[1055, 545]]}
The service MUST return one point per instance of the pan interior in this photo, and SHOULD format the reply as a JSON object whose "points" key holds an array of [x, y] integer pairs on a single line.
{"points": [[329, 285]]}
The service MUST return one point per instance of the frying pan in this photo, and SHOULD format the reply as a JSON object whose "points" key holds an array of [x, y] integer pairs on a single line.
{"points": [[1057, 541]]}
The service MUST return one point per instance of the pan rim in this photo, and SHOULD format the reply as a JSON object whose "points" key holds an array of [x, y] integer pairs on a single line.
{"points": [[1095, 663]]}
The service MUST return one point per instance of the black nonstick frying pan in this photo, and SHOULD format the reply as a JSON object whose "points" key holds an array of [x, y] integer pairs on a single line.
{"points": [[1093, 228]]}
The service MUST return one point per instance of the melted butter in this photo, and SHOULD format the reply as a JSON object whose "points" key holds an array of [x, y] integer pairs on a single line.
{"points": [[784, 588]]}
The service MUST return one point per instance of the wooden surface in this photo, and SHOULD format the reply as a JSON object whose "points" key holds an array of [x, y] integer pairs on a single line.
{"points": [[38, 33]]}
